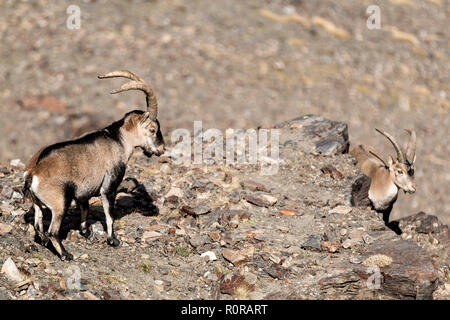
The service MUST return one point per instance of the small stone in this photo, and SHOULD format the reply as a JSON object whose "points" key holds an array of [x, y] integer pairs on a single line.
{"points": [[254, 186], [211, 256], [313, 243], [341, 210], [250, 278], [165, 168], [330, 246], [335, 174], [379, 260], [150, 236], [195, 210], [256, 295], [261, 199], [17, 164], [159, 282], [84, 257], [343, 232], [198, 240], [234, 257], [175, 191], [287, 263], [89, 296], [357, 234], [180, 232], [4, 170], [247, 251], [328, 147], [288, 212], [275, 271], [10, 270], [211, 276], [367, 239], [18, 212], [33, 261], [283, 229], [6, 192], [215, 236], [355, 260], [348, 243], [51, 271], [275, 259], [5, 229], [16, 195]]}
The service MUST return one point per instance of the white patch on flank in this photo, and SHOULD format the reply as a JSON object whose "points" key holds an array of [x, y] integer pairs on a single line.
{"points": [[34, 184]]}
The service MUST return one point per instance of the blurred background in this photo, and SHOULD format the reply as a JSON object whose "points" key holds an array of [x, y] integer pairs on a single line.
{"points": [[238, 64]]}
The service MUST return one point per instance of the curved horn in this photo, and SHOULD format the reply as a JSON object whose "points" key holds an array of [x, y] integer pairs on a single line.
{"points": [[411, 147], [137, 83], [122, 73], [400, 156], [379, 158]]}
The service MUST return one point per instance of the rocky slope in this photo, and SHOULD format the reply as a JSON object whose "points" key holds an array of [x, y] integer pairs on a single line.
{"points": [[228, 232]]}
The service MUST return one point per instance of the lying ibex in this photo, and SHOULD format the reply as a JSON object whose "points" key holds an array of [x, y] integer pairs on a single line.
{"points": [[387, 179], [91, 165]]}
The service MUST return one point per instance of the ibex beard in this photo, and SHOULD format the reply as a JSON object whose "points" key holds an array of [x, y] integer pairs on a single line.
{"points": [[89, 166]]}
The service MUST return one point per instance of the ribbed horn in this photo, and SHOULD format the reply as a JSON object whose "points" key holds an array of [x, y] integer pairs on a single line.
{"points": [[137, 83], [400, 156], [411, 147]]}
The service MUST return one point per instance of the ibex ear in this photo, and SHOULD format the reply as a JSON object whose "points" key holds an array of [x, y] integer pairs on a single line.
{"points": [[390, 160], [146, 119]]}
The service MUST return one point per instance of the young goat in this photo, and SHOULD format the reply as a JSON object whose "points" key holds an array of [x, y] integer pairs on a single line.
{"points": [[91, 165], [387, 179]]}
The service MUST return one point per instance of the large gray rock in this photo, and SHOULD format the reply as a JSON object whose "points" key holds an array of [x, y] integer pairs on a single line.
{"points": [[315, 134], [407, 270]]}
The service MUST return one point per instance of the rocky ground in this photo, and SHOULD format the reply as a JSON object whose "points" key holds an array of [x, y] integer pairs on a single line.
{"points": [[227, 232]]}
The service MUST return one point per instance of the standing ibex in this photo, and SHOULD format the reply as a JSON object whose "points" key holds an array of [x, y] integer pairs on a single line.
{"points": [[387, 179], [91, 165]]}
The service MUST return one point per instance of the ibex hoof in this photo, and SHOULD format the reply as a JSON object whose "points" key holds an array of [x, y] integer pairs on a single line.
{"points": [[113, 242], [65, 256], [86, 233], [42, 238]]}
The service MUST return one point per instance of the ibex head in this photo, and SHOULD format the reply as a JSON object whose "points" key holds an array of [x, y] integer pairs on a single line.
{"points": [[145, 125], [401, 169]]}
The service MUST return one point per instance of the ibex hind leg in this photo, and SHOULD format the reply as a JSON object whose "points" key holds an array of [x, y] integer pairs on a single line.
{"points": [[38, 224], [59, 203], [53, 232]]}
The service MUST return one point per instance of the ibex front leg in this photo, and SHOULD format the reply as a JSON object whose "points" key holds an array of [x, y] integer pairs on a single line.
{"points": [[108, 193], [108, 207], [84, 208]]}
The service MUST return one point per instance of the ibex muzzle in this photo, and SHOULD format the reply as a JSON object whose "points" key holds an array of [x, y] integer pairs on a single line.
{"points": [[91, 165]]}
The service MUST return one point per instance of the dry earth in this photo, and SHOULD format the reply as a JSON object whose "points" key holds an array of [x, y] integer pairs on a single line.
{"points": [[228, 232]]}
